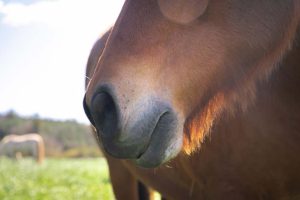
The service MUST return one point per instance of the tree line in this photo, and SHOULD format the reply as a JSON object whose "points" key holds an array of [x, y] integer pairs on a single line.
{"points": [[62, 138]]}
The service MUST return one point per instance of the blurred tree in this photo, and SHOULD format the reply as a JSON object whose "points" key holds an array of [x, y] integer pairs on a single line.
{"points": [[68, 138], [11, 114]]}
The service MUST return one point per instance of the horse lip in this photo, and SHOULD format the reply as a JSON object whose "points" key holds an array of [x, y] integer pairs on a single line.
{"points": [[116, 147], [165, 143], [152, 132]]}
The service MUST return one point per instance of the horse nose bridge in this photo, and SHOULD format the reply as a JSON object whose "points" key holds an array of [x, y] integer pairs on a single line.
{"points": [[125, 83], [124, 87]]}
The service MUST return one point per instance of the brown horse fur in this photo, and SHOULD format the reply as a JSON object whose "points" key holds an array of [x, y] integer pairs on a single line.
{"points": [[125, 185], [17, 146], [232, 77]]}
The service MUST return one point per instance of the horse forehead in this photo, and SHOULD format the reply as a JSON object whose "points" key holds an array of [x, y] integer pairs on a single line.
{"points": [[162, 45]]}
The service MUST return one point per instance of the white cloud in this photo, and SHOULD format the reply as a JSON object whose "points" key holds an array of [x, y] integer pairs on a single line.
{"points": [[61, 13]]}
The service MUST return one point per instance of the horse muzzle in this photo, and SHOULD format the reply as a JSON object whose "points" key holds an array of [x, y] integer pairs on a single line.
{"points": [[148, 132]]}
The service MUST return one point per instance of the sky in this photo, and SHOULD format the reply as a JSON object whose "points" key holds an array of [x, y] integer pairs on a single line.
{"points": [[44, 46]]}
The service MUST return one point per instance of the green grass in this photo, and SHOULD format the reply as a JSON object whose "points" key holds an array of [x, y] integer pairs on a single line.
{"points": [[55, 179]]}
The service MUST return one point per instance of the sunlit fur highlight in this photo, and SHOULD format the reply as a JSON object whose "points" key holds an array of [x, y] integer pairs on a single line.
{"points": [[199, 126]]}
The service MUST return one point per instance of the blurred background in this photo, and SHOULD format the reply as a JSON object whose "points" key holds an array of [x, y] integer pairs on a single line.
{"points": [[44, 46]]}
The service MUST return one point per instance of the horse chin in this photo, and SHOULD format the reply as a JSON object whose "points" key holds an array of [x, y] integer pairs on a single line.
{"points": [[155, 156]]}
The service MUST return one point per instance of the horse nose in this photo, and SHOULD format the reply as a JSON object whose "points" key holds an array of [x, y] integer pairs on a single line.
{"points": [[134, 130]]}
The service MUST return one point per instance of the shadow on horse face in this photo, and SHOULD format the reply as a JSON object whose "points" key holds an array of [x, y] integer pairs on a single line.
{"points": [[164, 78]]}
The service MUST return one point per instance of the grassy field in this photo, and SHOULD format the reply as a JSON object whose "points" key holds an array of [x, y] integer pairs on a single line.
{"points": [[55, 179]]}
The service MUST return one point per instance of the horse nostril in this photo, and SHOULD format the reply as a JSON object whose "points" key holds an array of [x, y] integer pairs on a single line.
{"points": [[104, 113]]}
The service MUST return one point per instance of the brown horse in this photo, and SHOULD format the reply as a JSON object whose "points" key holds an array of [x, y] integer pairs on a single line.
{"points": [[16, 146], [207, 92]]}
